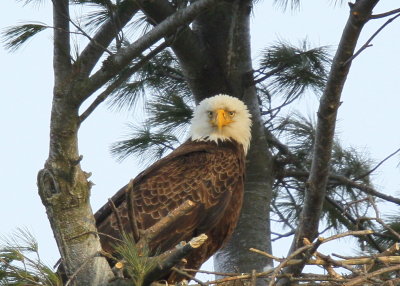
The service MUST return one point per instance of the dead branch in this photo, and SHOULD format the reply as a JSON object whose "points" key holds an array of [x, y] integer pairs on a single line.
{"points": [[286, 261], [187, 275], [116, 214], [150, 233], [360, 279], [131, 212], [168, 259]]}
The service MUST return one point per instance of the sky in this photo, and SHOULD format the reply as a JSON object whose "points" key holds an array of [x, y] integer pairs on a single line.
{"points": [[367, 119]]}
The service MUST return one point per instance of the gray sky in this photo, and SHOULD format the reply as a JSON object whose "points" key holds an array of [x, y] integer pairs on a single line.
{"points": [[367, 118]]}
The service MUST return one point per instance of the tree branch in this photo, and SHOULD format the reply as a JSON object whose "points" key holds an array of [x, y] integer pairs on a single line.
{"points": [[122, 58], [327, 113], [165, 222], [386, 14], [200, 68], [377, 166], [367, 43], [122, 78], [347, 182], [61, 56], [102, 39], [170, 258]]}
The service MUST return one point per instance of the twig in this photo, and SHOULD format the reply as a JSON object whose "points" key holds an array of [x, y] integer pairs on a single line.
{"points": [[378, 165], [82, 32], [358, 280], [329, 262], [266, 254], [382, 15], [253, 278], [115, 211], [109, 236], [346, 181], [240, 277], [367, 43], [279, 235], [380, 221], [391, 250], [209, 272], [348, 233], [80, 268], [191, 277], [131, 211], [285, 262]]}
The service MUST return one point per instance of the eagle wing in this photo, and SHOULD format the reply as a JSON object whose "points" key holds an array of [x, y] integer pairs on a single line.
{"points": [[204, 172]]}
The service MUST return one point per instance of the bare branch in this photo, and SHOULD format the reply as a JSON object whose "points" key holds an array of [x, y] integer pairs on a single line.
{"points": [[339, 179], [358, 280], [169, 259], [377, 166], [367, 43], [165, 222], [386, 14], [132, 212], [116, 214], [187, 275]]}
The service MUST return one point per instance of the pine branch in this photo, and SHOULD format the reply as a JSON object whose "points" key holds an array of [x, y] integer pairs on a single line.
{"points": [[291, 69], [198, 65], [123, 57], [117, 83], [377, 166], [106, 33], [14, 37], [144, 141]]}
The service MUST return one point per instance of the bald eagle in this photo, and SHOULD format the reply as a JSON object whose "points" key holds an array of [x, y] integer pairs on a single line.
{"points": [[207, 169]]}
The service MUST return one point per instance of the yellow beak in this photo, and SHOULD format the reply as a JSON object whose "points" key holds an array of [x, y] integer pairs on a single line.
{"points": [[221, 119]]}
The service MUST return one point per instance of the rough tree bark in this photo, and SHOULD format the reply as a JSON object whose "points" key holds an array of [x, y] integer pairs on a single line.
{"points": [[360, 12], [63, 186]]}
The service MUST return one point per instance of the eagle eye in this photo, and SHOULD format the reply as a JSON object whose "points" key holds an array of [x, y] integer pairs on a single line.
{"points": [[231, 113], [210, 114]]}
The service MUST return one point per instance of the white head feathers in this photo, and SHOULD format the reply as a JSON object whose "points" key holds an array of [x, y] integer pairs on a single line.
{"points": [[222, 117]]}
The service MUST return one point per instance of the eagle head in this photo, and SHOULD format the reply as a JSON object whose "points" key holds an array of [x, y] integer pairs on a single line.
{"points": [[222, 117]]}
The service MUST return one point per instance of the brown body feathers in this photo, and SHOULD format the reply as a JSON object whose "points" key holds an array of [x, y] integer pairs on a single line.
{"points": [[208, 173]]}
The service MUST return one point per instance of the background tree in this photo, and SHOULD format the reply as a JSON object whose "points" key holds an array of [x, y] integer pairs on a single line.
{"points": [[267, 72]]}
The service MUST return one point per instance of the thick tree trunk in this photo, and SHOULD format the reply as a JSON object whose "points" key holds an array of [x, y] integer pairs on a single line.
{"points": [[63, 186], [65, 191], [253, 229], [225, 34]]}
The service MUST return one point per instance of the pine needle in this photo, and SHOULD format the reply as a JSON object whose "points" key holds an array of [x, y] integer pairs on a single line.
{"points": [[15, 36]]}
